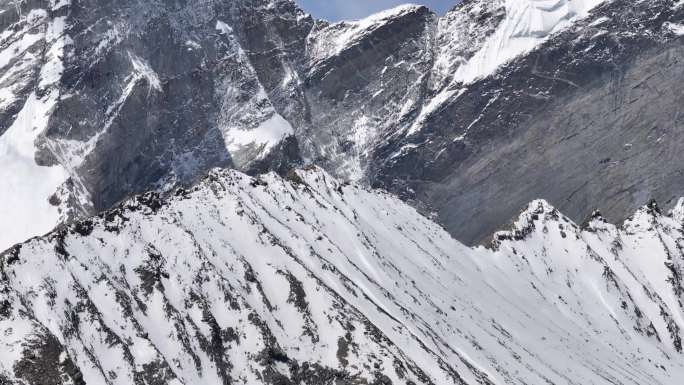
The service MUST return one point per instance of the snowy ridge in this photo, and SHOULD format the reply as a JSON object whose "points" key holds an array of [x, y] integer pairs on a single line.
{"points": [[332, 39], [265, 280], [527, 24]]}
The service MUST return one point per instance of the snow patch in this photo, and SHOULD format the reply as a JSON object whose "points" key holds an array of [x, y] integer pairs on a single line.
{"points": [[677, 29], [19, 46], [56, 5], [144, 71], [223, 28], [527, 24], [434, 105], [266, 136], [600, 21], [24, 207], [192, 45]]}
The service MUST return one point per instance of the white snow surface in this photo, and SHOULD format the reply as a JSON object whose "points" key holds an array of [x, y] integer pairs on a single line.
{"points": [[337, 37], [677, 29], [526, 25], [265, 136], [317, 262], [24, 207]]}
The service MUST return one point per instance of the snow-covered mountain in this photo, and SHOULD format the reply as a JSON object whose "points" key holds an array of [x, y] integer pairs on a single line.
{"points": [[309, 277], [307, 280], [589, 116], [470, 115]]}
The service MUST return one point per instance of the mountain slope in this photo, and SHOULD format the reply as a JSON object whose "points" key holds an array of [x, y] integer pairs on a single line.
{"points": [[126, 96], [309, 280], [589, 118], [469, 116], [101, 100]]}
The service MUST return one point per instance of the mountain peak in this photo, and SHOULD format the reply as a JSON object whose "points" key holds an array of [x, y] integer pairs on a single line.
{"points": [[332, 39], [537, 212]]}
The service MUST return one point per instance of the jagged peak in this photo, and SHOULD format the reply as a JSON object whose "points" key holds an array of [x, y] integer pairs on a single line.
{"points": [[595, 221], [316, 177], [332, 39], [287, 8], [539, 206], [542, 211], [650, 210], [385, 15], [647, 217], [526, 222]]}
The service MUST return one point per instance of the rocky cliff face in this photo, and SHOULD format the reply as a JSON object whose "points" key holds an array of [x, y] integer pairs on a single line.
{"points": [[309, 280], [470, 115], [587, 119], [136, 95]]}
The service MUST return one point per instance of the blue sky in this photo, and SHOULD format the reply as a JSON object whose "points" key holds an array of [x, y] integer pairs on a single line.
{"points": [[335, 10]]}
